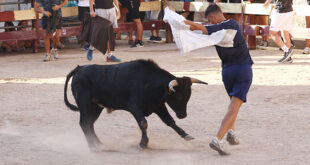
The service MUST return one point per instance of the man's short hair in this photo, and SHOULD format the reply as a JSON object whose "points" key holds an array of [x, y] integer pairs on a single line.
{"points": [[212, 8]]}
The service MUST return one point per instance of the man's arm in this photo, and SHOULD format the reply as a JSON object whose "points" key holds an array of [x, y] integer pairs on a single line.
{"points": [[57, 7], [196, 26], [37, 9], [91, 8]]}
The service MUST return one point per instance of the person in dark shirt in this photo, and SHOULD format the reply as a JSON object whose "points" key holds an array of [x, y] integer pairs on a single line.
{"points": [[281, 20], [236, 72], [51, 19]]}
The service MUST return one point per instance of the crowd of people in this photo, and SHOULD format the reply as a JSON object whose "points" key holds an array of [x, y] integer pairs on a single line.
{"points": [[119, 11]]}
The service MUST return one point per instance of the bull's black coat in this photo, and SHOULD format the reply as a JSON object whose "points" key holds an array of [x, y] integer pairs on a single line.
{"points": [[140, 87]]}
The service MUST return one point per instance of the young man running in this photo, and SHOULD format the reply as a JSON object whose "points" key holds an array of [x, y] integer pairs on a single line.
{"points": [[236, 72], [281, 20]]}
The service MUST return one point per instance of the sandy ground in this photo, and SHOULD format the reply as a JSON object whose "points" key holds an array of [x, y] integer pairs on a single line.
{"points": [[36, 128]]}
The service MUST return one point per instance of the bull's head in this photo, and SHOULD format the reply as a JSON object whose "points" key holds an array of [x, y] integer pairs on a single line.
{"points": [[179, 94]]}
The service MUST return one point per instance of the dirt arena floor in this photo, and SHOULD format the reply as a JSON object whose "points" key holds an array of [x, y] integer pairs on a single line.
{"points": [[36, 128]]}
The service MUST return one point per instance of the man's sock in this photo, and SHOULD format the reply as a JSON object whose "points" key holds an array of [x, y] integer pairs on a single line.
{"points": [[285, 48], [109, 54]]}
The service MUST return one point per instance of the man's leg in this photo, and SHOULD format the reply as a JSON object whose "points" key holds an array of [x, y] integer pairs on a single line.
{"points": [[56, 38], [286, 48], [47, 43], [277, 38], [230, 117], [227, 123], [287, 37], [139, 32]]}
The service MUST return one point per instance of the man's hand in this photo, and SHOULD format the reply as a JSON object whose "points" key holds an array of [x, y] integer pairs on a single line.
{"points": [[92, 14], [56, 7], [47, 13]]}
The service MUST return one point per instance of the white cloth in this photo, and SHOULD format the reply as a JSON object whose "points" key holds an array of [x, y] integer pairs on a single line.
{"points": [[187, 40], [281, 21], [83, 3]]}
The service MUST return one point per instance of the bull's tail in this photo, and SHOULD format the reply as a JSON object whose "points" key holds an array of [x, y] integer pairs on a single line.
{"points": [[69, 105]]}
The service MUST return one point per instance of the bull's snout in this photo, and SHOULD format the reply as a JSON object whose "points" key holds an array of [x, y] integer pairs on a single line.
{"points": [[181, 116]]}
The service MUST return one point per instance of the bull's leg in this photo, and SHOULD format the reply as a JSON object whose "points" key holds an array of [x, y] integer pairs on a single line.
{"points": [[143, 126], [89, 113], [166, 118]]}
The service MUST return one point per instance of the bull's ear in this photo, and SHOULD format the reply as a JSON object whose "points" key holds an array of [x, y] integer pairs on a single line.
{"points": [[194, 80]]}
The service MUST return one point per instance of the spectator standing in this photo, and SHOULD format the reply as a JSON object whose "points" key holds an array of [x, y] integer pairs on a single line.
{"points": [[281, 20], [83, 7], [107, 10], [153, 16], [133, 15], [51, 24]]}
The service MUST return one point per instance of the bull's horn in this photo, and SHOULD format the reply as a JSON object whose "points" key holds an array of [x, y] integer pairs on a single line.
{"points": [[194, 80], [172, 84]]}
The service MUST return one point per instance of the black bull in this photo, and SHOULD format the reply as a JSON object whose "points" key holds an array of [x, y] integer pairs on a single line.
{"points": [[139, 87]]}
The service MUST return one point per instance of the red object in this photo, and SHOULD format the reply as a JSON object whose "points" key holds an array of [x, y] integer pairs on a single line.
{"points": [[7, 16]]}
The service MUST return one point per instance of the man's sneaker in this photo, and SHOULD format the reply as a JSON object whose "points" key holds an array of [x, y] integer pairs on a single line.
{"points": [[55, 54], [288, 61], [232, 138], [264, 44], [218, 146], [47, 57], [157, 39], [112, 58], [286, 56], [306, 50], [89, 55], [138, 44], [152, 39]]}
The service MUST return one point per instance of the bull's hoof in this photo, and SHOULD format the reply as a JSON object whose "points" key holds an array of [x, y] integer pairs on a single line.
{"points": [[97, 148], [142, 146], [188, 137]]}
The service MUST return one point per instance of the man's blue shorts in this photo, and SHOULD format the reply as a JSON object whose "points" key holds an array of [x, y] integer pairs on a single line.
{"points": [[237, 80]]}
